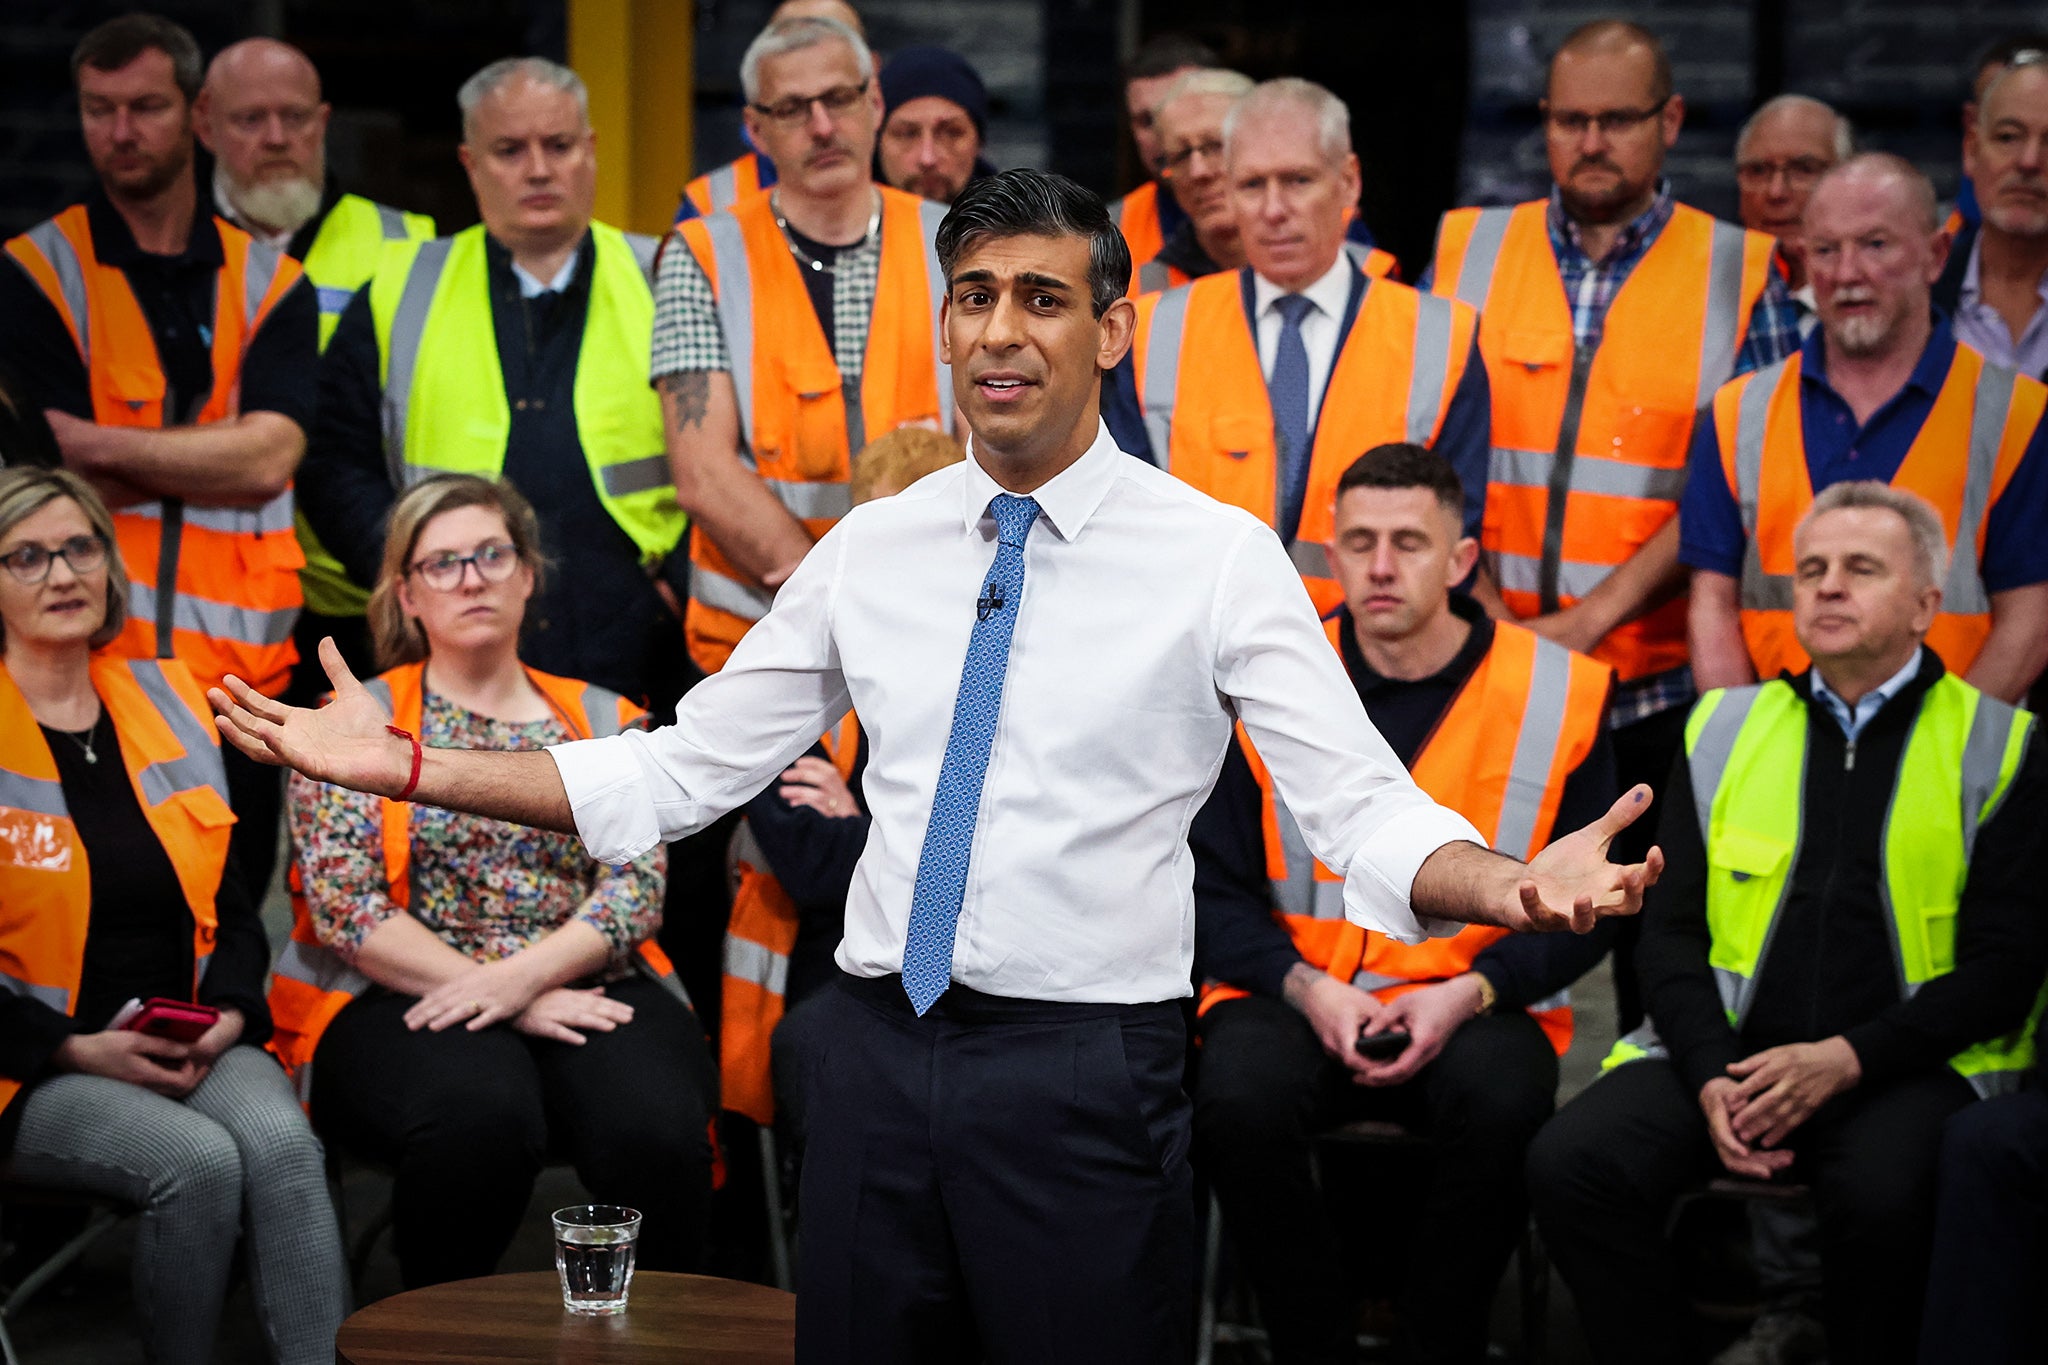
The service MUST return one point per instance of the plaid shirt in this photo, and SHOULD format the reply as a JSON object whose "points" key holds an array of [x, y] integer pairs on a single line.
{"points": [[1591, 285]]}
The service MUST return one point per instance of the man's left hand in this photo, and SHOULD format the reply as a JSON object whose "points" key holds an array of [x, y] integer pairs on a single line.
{"points": [[1430, 1015], [1573, 627], [1571, 885], [1780, 1088]]}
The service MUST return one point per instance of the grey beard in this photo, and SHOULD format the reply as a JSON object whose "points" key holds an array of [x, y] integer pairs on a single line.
{"points": [[281, 205]]}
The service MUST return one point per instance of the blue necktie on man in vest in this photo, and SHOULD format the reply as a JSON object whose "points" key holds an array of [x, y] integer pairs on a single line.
{"points": [[956, 804], [1287, 390]]}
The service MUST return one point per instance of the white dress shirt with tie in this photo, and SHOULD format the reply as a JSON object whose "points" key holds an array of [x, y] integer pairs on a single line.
{"points": [[1151, 616], [1331, 295]]}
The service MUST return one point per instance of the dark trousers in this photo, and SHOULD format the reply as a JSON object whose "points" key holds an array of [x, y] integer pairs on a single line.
{"points": [[1265, 1089], [1604, 1173], [1643, 752], [1989, 1276], [1001, 1180], [256, 795], [466, 1121]]}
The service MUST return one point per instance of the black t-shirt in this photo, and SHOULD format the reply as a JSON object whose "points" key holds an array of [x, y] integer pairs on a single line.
{"points": [[818, 281]]}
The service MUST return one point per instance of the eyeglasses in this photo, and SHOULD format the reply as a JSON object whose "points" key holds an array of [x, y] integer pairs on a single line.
{"points": [[495, 560], [30, 564], [1180, 162], [1800, 172], [1575, 122], [837, 101]]}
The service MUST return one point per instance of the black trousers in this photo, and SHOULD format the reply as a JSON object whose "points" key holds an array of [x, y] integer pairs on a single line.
{"points": [[466, 1121], [1989, 1278], [1001, 1180], [256, 795], [1643, 752], [1265, 1088], [1605, 1172]]}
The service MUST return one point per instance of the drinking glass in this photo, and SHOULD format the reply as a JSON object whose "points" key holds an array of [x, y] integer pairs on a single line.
{"points": [[594, 1256]]}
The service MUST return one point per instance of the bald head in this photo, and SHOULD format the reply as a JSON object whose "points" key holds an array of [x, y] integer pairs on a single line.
{"points": [[263, 59], [1617, 39], [1873, 251], [261, 115], [819, 9], [1883, 177]]}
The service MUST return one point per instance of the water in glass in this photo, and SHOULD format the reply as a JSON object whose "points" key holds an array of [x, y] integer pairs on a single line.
{"points": [[594, 1246]]}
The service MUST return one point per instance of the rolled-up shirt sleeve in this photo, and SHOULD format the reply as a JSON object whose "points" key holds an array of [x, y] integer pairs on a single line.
{"points": [[733, 733], [1358, 809]]}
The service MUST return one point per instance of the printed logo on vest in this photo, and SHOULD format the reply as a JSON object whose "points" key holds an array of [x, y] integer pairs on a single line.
{"points": [[31, 841]]}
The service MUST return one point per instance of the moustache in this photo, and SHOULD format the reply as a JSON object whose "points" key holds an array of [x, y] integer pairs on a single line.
{"points": [[1595, 163]]}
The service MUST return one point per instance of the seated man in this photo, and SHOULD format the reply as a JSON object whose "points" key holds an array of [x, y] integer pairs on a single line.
{"points": [[1504, 727], [1827, 991]]}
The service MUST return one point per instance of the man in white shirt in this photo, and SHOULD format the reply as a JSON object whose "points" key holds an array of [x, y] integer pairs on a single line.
{"points": [[997, 1163]]}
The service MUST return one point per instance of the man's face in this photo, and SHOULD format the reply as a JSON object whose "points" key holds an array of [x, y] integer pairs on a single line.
{"points": [[1289, 199], [928, 148], [1140, 96], [1191, 136], [1026, 350], [1872, 259], [2006, 154], [137, 124], [532, 162], [1857, 596], [1396, 552], [1605, 133], [1775, 172], [817, 150], [263, 119]]}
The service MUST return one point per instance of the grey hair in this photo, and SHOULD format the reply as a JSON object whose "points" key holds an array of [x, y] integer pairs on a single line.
{"points": [[794, 35], [1206, 81], [1845, 135], [1332, 115], [539, 70], [1930, 540]]}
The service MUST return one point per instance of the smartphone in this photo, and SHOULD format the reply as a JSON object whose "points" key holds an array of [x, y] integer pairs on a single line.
{"points": [[1382, 1047], [181, 1021]]}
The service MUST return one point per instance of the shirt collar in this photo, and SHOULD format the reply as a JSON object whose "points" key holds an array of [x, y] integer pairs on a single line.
{"points": [[1970, 293], [1930, 372], [1634, 236], [1067, 499], [114, 244], [1880, 694], [1331, 293], [532, 286], [1478, 641]]}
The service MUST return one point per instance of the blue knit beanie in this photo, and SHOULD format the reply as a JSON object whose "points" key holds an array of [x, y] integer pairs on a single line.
{"points": [[915, 72]]}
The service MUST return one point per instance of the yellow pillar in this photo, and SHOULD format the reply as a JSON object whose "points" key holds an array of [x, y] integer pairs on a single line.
{"points": [[637, 58]]}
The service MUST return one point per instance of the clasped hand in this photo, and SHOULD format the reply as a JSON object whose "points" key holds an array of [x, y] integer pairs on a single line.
{"points": [[1766, 1096], [499, 992]]}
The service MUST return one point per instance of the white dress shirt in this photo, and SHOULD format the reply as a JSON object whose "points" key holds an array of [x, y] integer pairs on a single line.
{"points": [[1151, 616], [1852, 719], [1331, 295]]}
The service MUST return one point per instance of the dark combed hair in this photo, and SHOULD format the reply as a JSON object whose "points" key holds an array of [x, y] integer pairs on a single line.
{"points": [[120, 41], [1027, 203], [1403, 464], [1608, 33], [1165, 53]]}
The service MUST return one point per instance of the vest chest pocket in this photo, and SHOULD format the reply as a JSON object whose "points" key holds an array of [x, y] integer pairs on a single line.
{"points": [[129, 393], [1533, 351], [1645, 434], [814, 444], [1745, 868], [1938, 938]]}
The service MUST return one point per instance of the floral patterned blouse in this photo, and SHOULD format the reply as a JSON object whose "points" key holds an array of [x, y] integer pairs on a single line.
{"points": [[486, 887]]}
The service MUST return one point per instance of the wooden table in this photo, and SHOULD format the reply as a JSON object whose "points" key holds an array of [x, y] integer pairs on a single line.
{"points": [[520, 1318]]}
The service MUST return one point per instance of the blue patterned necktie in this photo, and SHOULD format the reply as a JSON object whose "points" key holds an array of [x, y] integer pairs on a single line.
{"points": [[949, 837], [1288, 392]]}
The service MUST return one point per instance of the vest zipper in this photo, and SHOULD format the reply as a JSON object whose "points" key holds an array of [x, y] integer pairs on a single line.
{"points": [[1849, 755]]}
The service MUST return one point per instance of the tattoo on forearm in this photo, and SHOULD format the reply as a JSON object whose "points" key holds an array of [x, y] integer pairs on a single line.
{"points": [[691, 390]]}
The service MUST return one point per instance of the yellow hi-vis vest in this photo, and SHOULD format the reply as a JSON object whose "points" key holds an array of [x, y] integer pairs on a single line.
{"points": [[444, 389], [341, 260], [1747, 750]]}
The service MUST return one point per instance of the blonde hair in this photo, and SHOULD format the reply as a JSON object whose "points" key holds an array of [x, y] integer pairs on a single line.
{"points": [[899, 459], [397, 638], [25, 492]]}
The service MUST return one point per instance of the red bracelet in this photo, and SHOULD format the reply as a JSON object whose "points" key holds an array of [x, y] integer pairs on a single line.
{"points": [[413, 782]]}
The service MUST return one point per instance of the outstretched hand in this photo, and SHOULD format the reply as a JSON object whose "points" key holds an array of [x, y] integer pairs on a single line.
{"points": [[1571, 885], [345, 742]]}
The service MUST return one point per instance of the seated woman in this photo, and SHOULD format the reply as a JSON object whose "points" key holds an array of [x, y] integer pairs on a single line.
{"points": [[464, 998], [115, 881]]}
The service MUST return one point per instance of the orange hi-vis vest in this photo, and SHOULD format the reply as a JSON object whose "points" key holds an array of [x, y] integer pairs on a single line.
{"points": [[217, 587], [173, 761], [311, 983], [1136, 216], [1155, 274], [758, 940], [1589, 444], [721, 187], [800, 424], [1960, 462], [1506, 779], [1208, 416]]}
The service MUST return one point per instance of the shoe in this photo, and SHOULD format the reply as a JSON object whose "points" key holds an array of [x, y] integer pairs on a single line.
{"points": [[1780, 1336]]}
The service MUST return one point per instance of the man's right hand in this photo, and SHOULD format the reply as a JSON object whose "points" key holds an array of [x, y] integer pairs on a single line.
{"points": [[1719, 1100], [345, 742], [158, 1064], [1338, 1012]]}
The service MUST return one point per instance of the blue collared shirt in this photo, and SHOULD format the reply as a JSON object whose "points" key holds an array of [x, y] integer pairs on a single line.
{"points": [[1839, 449], [1852, 719]]}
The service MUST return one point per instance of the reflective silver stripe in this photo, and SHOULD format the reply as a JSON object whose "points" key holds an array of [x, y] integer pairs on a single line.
{"points": [[1432, 363], [1590, 474], [1964, 593], [1734, 988], [735, 308], [1311, 558], [216, 620], [318, 967], [36, 795], [812, 500], [1376, 981], [380, 688], [1295, 893], [331, 299], [49, 239], [929, 216], [56, 997], [601, 705], [1760, 591], [1153, 276], [1482, 253], [1556, 1000], [1983, 759], [1162, 371], [1644, 1040], [257, 273], [200, 766], [408, 328], [1359, 252], [643, 475], [1524, 573], [645, 250], [1542, 726], [1707, 758], [1720, 337], [275, 515], [1989, 1085], [724, 185], [392, 222], [747, 960], [729, 594]]}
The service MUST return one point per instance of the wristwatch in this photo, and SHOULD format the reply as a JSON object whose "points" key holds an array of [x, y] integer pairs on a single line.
{"points": [[1487, 994]]}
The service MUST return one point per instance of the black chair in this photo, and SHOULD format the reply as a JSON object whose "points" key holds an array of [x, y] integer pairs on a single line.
{"points": [[103, 1214]]}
